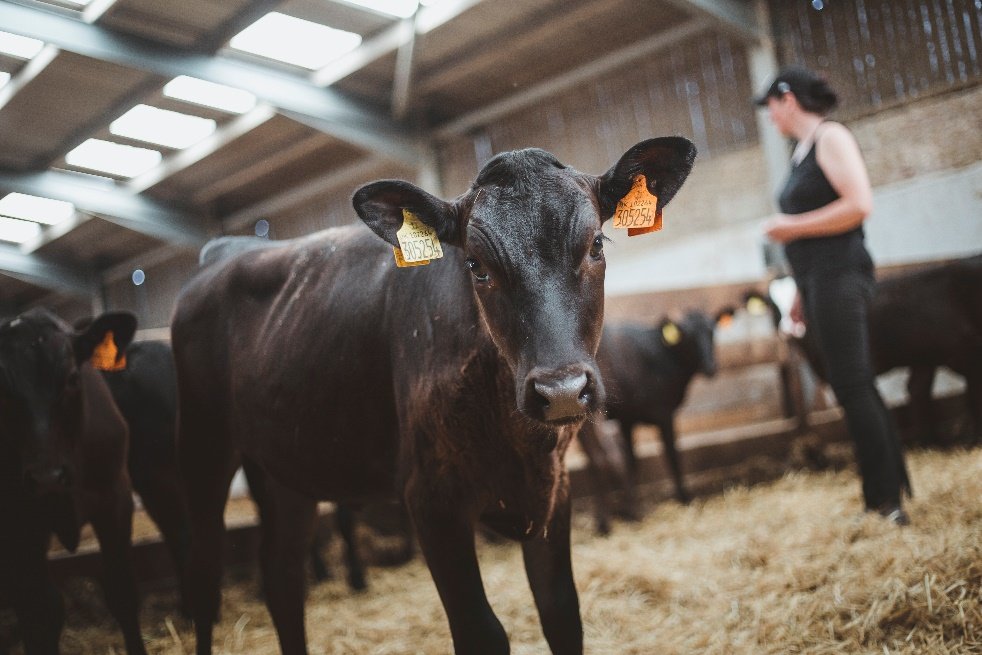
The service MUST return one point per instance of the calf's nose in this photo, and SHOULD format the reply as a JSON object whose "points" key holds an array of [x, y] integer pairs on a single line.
{"points": [[558, 398]]}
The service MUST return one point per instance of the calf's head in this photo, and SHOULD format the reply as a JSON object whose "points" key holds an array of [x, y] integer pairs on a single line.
{"points": [[529, 230], [41, 392], [692, 340]]}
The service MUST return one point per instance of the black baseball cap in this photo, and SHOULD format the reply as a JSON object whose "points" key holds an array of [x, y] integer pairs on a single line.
{"points": [[795, 79]]}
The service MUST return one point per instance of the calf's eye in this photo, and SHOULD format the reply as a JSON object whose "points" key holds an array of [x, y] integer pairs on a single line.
{"points": [[477, 270], [597, 248]]}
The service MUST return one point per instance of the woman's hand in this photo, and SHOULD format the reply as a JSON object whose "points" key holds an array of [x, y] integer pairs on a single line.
{"points": [[797, 312], [781, 228]]}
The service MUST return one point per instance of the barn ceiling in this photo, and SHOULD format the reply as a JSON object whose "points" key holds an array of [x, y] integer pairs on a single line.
{"points": [[452, 66]]}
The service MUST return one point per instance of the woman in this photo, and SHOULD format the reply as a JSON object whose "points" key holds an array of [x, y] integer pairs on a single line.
{"points": [[824, 202]]}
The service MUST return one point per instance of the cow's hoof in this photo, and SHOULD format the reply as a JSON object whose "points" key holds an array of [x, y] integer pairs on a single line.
{"points": [[894, 514]]}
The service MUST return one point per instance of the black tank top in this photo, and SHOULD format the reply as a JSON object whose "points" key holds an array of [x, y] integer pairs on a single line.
{"points": [[806, 189]]}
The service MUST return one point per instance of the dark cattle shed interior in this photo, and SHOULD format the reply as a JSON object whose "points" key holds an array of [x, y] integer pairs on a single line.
{"points": [[429, 92]]}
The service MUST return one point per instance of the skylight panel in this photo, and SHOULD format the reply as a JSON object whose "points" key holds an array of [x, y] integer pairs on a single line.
{"points": [[113, 158], [398, 8], [294, 41], [14, 230], [22, 47], [210, 94], [36, 208], [162, 126]]}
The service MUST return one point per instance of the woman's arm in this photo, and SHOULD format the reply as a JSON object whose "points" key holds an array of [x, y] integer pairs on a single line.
{"points": [[840, 159]]}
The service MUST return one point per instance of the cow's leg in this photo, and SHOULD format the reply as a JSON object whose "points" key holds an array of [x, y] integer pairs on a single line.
{"points": [[163, 500], [550, 574], [628, 507], [207, 466], [973, 394], [35, 600], [346, 526], [446, 538], [317, 563], [287, 529], [919, 384], [113, 523], [666, 429], [596, 463]]}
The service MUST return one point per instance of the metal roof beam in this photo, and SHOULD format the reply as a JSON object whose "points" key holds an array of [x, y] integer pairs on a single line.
{"points": [[572, 78], [220, 138], [390, 40], [341, 116], [737, 17], [25, 75], [42, 272], [135, 212]]}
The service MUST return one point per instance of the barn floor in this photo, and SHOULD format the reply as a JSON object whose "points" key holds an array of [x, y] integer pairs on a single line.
{"points": [[790, 566]]}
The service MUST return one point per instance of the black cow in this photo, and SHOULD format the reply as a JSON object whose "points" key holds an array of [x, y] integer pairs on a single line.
{"points": [[647, 371], [145, 391], [457, 385], [923, 320], [62, 464], [218, 250]]}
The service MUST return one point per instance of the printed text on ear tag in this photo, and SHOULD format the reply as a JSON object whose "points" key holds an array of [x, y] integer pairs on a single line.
{"points": [[104, 355], [637, 212], [401, 261], [417, 240]]}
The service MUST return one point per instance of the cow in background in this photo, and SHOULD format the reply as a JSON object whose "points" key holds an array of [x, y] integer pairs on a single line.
{"points": [[456, 385], [921, 320], [647, 371], [63, 449], [144, 386]]}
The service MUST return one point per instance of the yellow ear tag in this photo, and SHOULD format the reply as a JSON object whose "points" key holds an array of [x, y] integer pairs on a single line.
{"points": [[637, 212], [670, 333], [725, 321], [104, 355], [417, 240], [756, 306]]}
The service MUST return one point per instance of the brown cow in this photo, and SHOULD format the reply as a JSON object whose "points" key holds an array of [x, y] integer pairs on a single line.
{"points": [[62, 464], [456, 385]]}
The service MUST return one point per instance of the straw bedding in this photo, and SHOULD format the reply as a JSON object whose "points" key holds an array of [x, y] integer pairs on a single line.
{"points": [[790, 566]]}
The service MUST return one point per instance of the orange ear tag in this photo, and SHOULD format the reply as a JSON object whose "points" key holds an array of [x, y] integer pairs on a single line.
{"points": [[104, 355], [638, 212], [418, 242]]}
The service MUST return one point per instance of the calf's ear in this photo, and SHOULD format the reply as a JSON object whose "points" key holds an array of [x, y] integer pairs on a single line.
{"points": [[122, 327], [380, 206], [665, 162], [724, 317]]}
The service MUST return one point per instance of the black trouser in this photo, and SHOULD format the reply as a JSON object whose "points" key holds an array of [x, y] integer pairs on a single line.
{"points": [[836, 305]]}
